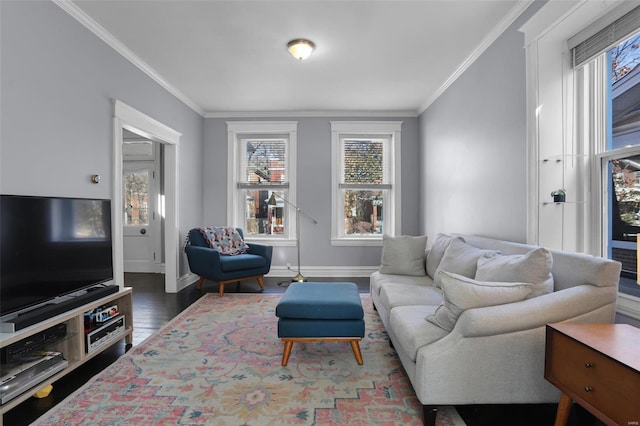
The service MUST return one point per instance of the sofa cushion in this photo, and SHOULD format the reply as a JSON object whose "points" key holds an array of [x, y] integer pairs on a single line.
{"points": [[437, 250], [460, 258], [393, 295], [241, 262], [411, 330], [403, 255], [462, 293], [533, 267], [377, 281]]}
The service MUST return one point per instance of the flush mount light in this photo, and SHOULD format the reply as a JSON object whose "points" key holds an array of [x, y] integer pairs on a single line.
{"points": [[301, 48]]}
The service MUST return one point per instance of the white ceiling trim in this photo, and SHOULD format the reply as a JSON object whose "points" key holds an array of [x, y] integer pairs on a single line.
{"points": [[108, 38], [513, 14], [341, 113]]}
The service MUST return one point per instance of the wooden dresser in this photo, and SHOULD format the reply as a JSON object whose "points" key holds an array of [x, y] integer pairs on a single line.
{"points": [[598, 367]]}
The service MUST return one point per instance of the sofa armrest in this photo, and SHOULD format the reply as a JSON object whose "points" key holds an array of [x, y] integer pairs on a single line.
{"points": [[203, 261], [583, 302]]}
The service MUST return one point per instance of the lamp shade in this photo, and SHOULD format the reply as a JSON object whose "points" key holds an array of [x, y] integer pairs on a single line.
{"points": [[300, 48]]}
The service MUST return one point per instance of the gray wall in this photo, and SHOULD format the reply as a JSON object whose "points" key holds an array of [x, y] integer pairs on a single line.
{"points": [[473, 146], [58, 83], [314, 188]]}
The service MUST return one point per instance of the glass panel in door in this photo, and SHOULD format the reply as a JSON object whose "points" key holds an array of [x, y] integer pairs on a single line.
{"points": [[136, 197]]}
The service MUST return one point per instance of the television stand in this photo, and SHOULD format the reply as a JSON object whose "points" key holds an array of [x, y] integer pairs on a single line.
{"points": [[57, 306], [73, 347]]}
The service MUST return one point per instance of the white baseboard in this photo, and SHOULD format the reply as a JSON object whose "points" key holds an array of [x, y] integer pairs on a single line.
{"points": [[186, 280], [628, 305], [323, 271]]}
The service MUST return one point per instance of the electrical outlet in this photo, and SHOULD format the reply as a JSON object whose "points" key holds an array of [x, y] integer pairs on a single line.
{"points": [[288, 265]]}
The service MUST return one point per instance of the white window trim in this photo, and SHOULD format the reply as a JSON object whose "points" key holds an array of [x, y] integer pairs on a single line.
{"points": [[237, 130], [392, 210]]}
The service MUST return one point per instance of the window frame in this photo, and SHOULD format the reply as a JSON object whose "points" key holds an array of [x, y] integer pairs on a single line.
{"points": [[237, 131], [390, 130], [547, 37]]}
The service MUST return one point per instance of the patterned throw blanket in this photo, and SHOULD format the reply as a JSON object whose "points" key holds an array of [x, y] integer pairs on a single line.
{"points": [[225, 239]]}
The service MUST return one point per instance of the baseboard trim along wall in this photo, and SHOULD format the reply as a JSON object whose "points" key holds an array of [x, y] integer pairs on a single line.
{"points": [[323, 271], [628, 305]]}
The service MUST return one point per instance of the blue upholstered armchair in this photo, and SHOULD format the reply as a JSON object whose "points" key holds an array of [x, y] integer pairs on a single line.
{"points": [[210, 264]]}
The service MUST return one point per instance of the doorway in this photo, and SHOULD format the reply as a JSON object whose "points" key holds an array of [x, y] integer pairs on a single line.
{"points": [[142, 191], [129, 119]]}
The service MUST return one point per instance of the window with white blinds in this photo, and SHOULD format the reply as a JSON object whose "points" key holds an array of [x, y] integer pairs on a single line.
{"points": [[261, 163], [366, 180]]}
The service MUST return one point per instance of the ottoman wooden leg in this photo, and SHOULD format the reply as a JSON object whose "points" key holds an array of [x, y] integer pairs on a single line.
{"points": [[288, 344], [355, 346]]}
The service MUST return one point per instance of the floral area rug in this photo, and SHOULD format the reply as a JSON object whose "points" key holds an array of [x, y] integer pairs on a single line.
{"points": [[219, 363]]}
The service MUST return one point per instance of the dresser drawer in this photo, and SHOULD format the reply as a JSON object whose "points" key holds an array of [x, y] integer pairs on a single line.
{"points": [[592, 378]]}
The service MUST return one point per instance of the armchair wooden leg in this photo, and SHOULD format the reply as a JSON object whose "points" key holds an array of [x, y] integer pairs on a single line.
{"points": [[221, 289], [260, 281], [200, 281]]}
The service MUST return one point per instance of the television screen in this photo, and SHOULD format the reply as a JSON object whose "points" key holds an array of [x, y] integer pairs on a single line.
{"points": [[51, 247]]}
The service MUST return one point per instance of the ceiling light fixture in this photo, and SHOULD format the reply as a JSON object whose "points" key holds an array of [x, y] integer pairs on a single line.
{"points": [[301, 48]]}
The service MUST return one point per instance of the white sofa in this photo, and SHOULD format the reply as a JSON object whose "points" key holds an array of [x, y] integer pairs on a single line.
{"points": [[493, 354]]}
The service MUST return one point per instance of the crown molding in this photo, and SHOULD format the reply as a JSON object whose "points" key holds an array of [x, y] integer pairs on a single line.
{"points": [[298, 114], [80, 16], [513, 14], [104, 35]]}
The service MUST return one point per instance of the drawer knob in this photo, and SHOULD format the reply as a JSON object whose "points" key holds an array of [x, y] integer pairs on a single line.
{"points": [[588, 388], [588, 364]]}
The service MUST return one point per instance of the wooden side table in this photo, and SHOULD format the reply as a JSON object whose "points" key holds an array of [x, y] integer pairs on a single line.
{"points": [[597, 366]]}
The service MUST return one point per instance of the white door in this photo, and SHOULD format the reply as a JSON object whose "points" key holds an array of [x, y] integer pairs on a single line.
{"points": [[142, 230]]}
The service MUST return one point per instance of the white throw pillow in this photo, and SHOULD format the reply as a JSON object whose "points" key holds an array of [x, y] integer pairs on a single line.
{"points": [[460, 258], [533, 267], [436, 252], [403, 255], [462, 293]]}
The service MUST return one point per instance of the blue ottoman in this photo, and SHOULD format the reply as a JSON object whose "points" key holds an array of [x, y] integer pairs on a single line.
{"points": [[311, 311]]}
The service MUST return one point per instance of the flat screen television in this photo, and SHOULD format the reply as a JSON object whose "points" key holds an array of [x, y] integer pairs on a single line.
{"points": [[51, 247]]}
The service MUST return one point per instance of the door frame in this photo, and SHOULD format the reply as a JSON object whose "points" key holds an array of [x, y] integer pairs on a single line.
{"points": [[126, 117]]}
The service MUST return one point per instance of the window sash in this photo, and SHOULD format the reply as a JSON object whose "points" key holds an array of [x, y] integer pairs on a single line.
{"points": [[612, 34], [271, 156], [351, 155]]}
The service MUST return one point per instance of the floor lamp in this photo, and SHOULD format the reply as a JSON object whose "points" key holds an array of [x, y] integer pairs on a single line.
{"points": [[272, 202]]}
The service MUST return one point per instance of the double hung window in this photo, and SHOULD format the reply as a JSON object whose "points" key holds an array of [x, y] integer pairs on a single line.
{"points": [[261, 164], [366, 181], [608, 95]]}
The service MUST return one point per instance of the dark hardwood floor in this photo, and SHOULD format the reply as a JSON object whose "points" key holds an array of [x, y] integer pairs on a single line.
{"points": [[152, 308]]}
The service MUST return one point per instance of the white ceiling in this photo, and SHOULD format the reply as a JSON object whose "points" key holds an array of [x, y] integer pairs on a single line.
{"points": [[229, 57]]}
